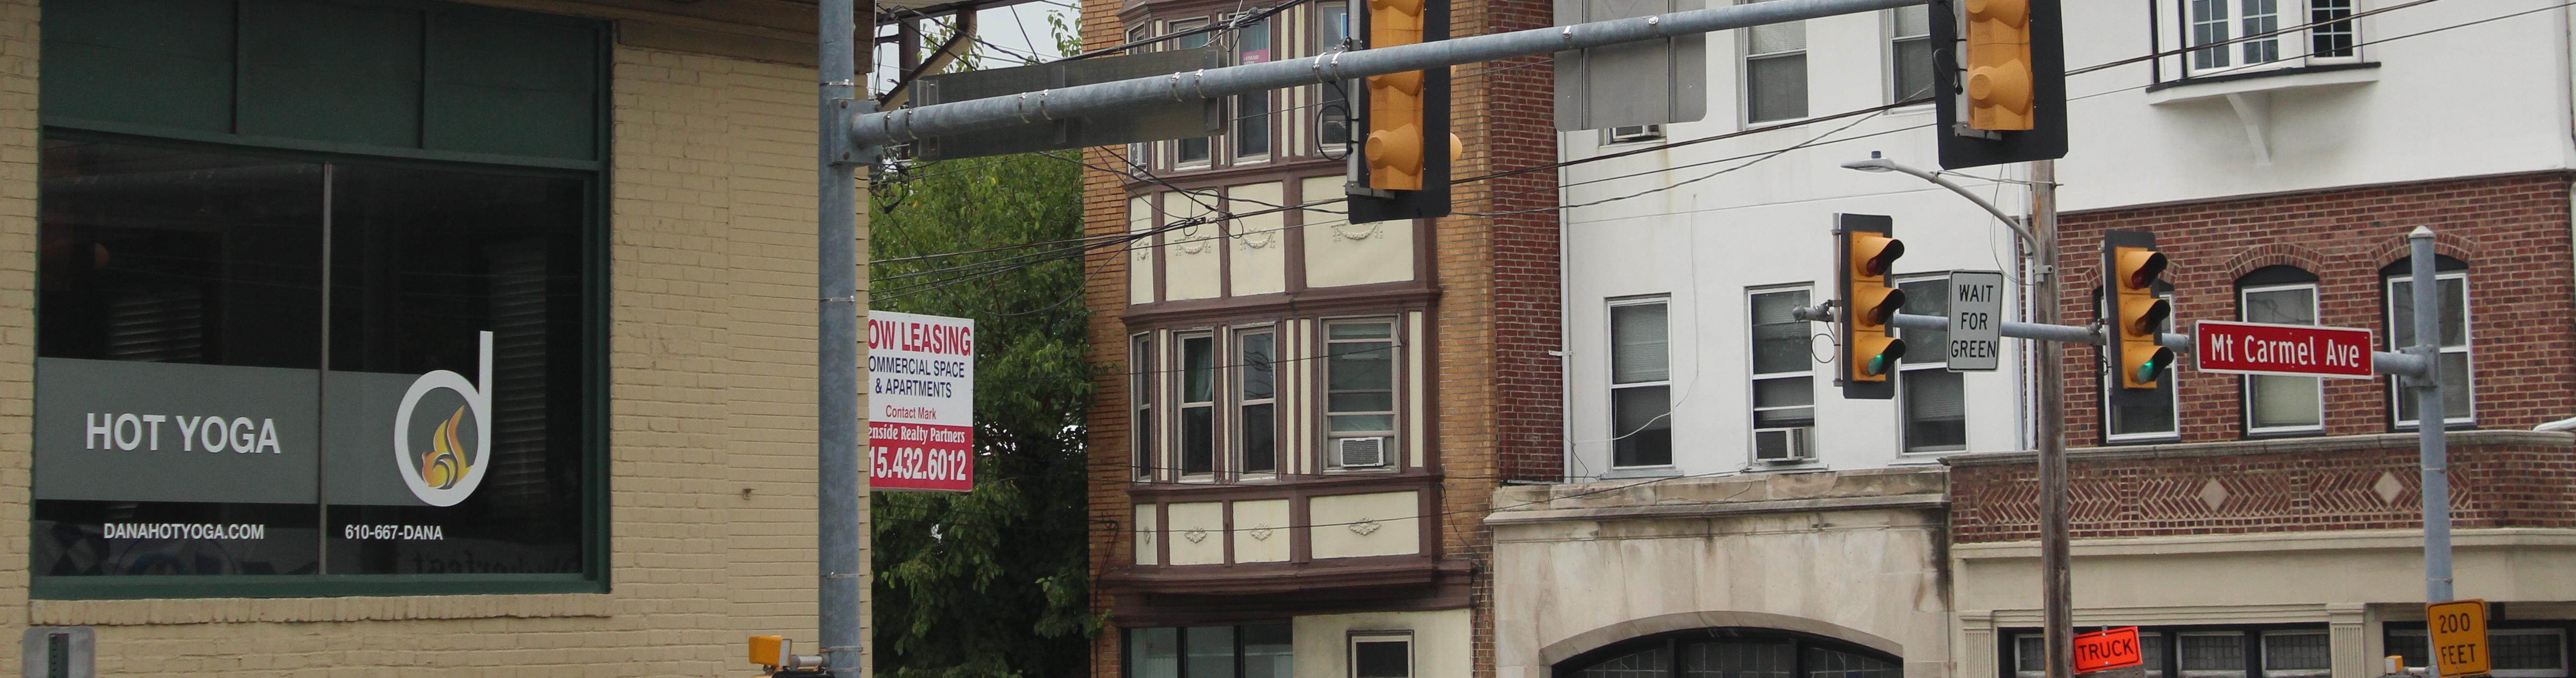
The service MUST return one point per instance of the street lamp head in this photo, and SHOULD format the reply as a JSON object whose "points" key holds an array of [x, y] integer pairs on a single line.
{"points": [[1875, 163]]}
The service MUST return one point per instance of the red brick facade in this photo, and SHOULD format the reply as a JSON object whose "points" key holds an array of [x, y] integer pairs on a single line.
{"points": [[2513, 233]]}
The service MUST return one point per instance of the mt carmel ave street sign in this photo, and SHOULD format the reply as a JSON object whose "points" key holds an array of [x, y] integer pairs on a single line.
{"points": [[2293, 350]]}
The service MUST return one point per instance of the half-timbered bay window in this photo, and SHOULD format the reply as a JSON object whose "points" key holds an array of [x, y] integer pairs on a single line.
{"points": [[1266, 399]]}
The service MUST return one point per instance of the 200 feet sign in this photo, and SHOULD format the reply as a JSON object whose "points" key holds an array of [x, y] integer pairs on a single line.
{"points": [[921, 400]]}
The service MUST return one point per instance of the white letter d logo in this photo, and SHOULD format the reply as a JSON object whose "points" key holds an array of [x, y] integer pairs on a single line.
{"points": [[448, 472]]}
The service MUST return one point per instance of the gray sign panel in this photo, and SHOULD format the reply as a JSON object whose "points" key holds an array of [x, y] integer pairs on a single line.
{"points": [[108, 430], [1643, 83], [1976, 321], [1161, 122]]}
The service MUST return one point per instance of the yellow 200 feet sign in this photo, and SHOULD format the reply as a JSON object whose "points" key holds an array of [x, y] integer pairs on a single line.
{"points": [[2459, 630]]}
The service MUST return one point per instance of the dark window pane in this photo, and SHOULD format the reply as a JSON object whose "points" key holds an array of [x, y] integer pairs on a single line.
{"points": [[1257, 373], [1260, 454], [1210, 651], [1381, 659], [1777, 88], [1831, 663], [1198, 439], [2528, 651], [1198, 369], [1647, 663], [1268, 650], [1153, 653], [1935, 410], [1641, 418], [1738, 659], [424, 264], [1913, 70]]}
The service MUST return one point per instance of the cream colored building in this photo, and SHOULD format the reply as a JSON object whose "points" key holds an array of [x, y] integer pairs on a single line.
{"points": [[265, 214]]}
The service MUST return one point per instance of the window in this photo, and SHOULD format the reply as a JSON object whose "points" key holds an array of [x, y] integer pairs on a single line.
{"points": [[1256, 422], [1252, 111], [2212, 655], [1784, 388], [1136, 153], [1332, 28], [2451, 281], [2210, 22], [1641, 423], [2145, 419], [1359, 381], [1731, 653], [1932, 401], [2296, 654], [1258, 650], [1141, 379], [1198, 405], [1775, 72], [2031, 661], [1382, 656], [1190, 152], [2281, 404], [1634, 133], [2511, 652], [1909, 53]]}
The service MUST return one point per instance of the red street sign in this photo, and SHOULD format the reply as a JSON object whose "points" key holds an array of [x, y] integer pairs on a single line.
{"points": [[2293, 350], [2106, 650]]}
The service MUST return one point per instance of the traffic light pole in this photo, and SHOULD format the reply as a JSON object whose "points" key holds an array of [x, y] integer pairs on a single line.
{"points": [[839, 491], [876, 130], [2430, 415], [2056, 602]]}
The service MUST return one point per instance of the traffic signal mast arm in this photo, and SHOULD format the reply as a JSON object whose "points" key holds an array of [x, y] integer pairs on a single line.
{"points": [[877, 130]]}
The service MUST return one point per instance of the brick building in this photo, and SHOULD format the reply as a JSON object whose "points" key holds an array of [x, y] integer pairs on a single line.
{"points": [[574, 237], [1291, 468]]}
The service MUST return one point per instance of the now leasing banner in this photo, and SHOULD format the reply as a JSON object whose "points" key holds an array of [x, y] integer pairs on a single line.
{"points": [[921, 402]]}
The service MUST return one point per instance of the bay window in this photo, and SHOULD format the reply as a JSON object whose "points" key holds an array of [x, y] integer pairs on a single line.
{"points": [[1223, 405], [2207, 27]]}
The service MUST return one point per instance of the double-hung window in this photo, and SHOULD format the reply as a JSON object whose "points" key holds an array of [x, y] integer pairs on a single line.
{"points": [[1784, 387], [1775, 71], [1333, 114], [1141, 378], [2281, 295], [2452, 289], [1197, 405], [1931, 399], [1138, 154], [2232, 35], [1252, 111], [1359, 393], [1641, 423], [1256, 404], [1193, 152], [1909, 53]]}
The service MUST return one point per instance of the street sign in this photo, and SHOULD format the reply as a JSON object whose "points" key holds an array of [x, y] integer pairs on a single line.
{"points": [[1976, 320], [2113, 649], [2291, 350], [2459, 637]]}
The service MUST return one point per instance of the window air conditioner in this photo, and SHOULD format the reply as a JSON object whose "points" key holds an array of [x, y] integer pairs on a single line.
{"points": [[1782, 445], [1360, 452]]}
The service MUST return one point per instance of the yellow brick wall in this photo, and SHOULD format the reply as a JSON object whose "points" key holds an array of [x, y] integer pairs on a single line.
{"points": [[711, 434]]}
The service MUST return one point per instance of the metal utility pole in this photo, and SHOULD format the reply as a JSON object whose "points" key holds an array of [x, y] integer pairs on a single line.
{"points": [[838, 486], [2056, 602], [2430, 416]]}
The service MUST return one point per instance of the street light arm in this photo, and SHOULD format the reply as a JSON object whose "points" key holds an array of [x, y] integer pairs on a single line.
{"points": [[2019, 230]]}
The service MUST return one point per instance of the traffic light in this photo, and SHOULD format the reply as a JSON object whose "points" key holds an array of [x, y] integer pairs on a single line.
{"points": [[1864, 254], [1401, 171], [2135, 314], [1998, 81]]}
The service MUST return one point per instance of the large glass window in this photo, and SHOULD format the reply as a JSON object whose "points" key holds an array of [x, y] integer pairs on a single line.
{"points": [[2451, 281], [1641, 420], [1732, 653], [1775, 71], [1933, 399], [227, 339], [1248, 651], [2281, 404]]}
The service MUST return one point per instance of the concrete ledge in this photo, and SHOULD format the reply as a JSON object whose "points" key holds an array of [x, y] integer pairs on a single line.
{"points": [[166, 611], [2332, 540], [1716, 509], [2455, 439]]}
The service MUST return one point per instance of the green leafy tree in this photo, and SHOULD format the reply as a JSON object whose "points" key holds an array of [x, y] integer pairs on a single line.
{"points": [[991, 583]]}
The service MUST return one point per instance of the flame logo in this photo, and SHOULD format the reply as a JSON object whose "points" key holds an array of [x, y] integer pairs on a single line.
{"points": [[445, 462]]}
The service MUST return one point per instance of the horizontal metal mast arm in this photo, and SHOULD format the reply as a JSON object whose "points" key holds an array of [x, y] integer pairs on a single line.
{"points": [[877, 130]]}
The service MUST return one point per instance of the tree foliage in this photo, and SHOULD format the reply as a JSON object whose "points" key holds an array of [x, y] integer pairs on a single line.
{"points": [[990, 583]]}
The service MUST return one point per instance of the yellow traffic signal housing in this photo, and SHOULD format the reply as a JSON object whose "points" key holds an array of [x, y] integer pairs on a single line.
{"points": [[2001, 83], [1395, 146], [2135, 314], [1864, 257]]}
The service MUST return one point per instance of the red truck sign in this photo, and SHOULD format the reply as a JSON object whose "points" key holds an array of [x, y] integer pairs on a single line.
{"points": [[2106, 650], [2293, 350]]}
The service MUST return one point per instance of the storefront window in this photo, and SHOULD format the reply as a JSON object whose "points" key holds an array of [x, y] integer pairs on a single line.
{"points": [[188, 423]]}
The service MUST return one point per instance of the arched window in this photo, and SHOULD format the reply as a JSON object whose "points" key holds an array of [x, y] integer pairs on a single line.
{"points": [[1731, 652], [2281, 295]]}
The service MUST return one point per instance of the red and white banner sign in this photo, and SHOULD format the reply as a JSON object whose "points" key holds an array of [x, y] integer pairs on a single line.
{"points": [[921, 402], [2110, 649], [2293, 350]]}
